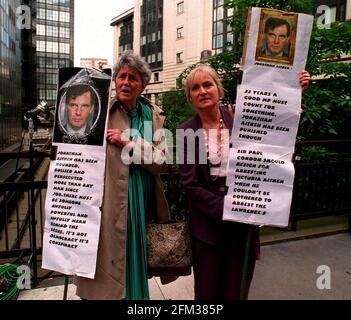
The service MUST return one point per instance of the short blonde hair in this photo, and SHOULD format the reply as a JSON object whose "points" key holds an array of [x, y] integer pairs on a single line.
{"points": [[203, 68]]}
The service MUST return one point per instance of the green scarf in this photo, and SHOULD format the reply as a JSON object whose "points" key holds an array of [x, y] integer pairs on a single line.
{"points": [[141, 184]]}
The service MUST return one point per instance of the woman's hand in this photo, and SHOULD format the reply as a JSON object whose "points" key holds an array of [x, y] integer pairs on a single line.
{"points": [[304, 79], [114, 136]]}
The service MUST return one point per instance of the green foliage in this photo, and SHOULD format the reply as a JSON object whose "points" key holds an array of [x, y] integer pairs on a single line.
{"points": [[328, 153], [176, 109], [318, 154], [327, 102]]}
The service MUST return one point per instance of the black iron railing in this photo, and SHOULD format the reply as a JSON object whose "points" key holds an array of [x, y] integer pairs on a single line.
{"points": [[320, 189]]}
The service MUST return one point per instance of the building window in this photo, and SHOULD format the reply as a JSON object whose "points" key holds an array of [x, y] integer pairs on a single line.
{"points": [[218, 41], [217, 3], [159, 56], [180, 32], [222, 32], [41, 46], [52, 31], [64, 32], [180, 7], [40, 29], [64, 47], [180, 57], [156, 77]]}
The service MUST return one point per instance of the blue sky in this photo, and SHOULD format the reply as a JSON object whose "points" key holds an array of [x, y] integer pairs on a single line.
{"points": [[93, 34]]}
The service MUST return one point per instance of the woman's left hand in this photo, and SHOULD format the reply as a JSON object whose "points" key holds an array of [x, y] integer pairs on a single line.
{"points": [[114, 136], [304, 79]]}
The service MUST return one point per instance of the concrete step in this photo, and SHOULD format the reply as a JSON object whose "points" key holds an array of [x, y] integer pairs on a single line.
{"points": [[310, 228]]}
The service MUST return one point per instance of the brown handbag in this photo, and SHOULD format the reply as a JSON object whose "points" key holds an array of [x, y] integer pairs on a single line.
{"points": [[169, 249]]}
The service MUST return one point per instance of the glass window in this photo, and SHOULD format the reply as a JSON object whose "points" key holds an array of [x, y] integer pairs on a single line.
{"points": [[64, 16], [218, 13], [180, 32], [217, 3], [230, 12], [218, 41], [41, 29], [64, 48], [180, 57], [64, 32], [41, 45], [159, 56], [52, 46], [156, 77], [218, 27], [180, 7], [41, 13], [52, 31]]}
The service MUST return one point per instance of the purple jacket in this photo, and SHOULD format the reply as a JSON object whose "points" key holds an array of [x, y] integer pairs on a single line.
{"points": [[205, 203]]}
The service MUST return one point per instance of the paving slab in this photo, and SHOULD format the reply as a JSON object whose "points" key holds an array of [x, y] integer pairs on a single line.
{"points": [[286, 271]]}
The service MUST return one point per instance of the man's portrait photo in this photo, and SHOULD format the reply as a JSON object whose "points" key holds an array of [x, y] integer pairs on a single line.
{"points": [[81, 106], [277, 36], [78, 110], [78, 113]]}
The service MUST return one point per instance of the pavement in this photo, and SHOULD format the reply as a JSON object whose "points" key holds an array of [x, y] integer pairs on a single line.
{"points": [[312, 263]]}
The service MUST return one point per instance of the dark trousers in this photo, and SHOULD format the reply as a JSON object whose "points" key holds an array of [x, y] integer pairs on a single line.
{"points": [[218, 268]]}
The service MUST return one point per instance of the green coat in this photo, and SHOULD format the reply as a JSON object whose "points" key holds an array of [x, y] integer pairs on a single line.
{"points": [[109, 282]]}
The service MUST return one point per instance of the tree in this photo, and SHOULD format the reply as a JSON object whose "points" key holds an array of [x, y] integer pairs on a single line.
{"points": [[176, 109], [328, 103]]}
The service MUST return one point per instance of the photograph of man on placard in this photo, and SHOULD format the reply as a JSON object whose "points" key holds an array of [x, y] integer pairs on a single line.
{"points": [[78, 113], [79, 109], [277, 36]]}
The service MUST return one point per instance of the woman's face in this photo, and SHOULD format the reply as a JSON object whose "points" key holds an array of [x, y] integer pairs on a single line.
{"points": [[203, 91], [128, 86]]}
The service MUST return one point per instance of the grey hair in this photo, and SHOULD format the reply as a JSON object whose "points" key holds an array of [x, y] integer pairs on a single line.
{"points": [[132, 60]]}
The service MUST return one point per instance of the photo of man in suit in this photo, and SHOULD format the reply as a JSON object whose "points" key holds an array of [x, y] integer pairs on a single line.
{"points": [[79, 109], [276, 38]]}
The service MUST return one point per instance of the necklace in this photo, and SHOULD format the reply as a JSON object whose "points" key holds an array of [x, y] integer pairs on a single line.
{"points": [[217, 165]]}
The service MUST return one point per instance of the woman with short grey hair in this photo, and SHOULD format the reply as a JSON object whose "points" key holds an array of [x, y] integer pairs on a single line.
{"points": [[130, 59], [130, 188]]}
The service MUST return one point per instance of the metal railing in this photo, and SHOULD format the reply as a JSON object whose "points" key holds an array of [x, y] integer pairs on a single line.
{"points": [[21, 201], [320, 189]]}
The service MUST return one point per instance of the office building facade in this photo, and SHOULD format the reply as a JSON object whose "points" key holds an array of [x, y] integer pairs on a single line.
{"points": [[340, 10], [192, 30], [171, 35], [10, 75], [54, 44]]}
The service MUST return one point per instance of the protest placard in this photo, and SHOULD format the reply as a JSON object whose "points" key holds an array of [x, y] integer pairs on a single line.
{"points": [[76, 174], [268, 105]]}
